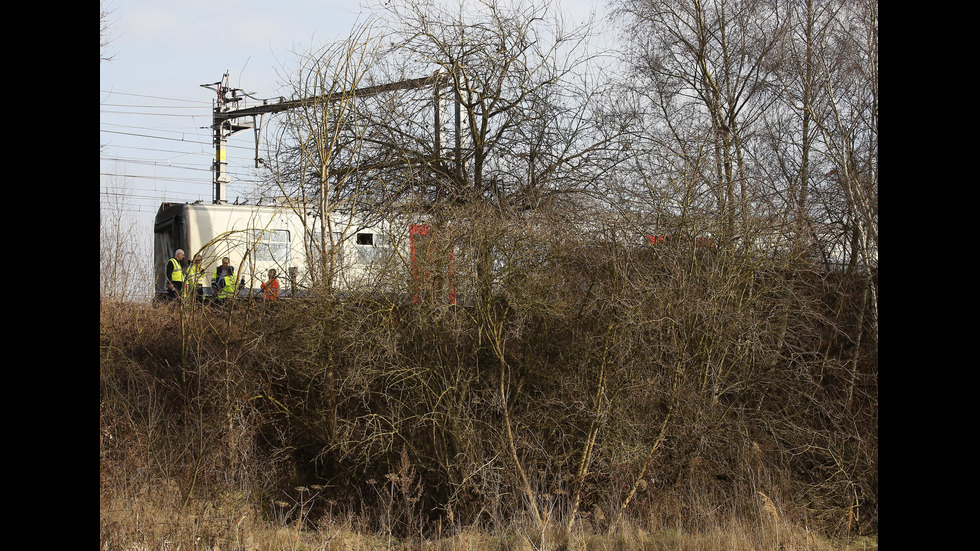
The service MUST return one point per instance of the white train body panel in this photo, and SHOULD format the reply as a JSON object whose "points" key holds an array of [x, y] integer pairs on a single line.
{"points": [[260, 238]]}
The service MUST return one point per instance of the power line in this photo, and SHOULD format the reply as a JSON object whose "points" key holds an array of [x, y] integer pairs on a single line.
{"points": [[156, 163], [176, 179], [112, 92], [149, 114], [176, 131], [154, 198], [145, 136], [157, 178], [148, 106], [188, 152], [182, 140]]}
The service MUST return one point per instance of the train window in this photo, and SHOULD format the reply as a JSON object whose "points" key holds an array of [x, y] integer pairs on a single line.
{"points": [[373, 247], [272, 245]]}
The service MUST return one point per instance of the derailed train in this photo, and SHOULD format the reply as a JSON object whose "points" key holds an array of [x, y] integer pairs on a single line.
{"points": [[284, 238], [365, 250]]}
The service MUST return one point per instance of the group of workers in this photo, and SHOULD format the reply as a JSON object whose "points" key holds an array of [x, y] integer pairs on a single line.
{"points": [[189, 283]]}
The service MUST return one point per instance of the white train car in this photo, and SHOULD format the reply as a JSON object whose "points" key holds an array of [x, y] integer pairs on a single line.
{"points": [[259, 238]]}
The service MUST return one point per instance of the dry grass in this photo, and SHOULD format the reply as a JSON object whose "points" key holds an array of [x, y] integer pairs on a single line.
{"points": [[155, 520]]}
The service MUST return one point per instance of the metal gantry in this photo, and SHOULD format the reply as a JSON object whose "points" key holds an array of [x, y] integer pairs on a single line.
{"points": [[227, 119]]}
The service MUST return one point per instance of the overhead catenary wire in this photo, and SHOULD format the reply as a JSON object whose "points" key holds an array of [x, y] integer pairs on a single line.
{"points": [[115, 123], [194, 142], [116, 93], [154, 163]]}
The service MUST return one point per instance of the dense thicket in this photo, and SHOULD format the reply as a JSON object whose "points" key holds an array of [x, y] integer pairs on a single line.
{"points": [[671, 385]]}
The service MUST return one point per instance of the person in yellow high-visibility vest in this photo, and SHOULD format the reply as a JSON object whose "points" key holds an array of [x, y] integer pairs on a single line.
{"points": [[219, 272], [175, 275], [194, 279], [227, 286]]}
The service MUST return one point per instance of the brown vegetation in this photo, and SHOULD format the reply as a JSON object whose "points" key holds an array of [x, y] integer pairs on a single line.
{"points": [[601, 393]]}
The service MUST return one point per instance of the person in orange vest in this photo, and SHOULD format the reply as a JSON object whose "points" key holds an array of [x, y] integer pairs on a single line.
{"points": [[270, 289]]}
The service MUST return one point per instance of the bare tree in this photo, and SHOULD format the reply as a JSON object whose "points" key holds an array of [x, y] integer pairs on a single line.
{"points": [[711, 63], [105, 30], [519, 94], [319, 155], [517, 73], [795, 161], [123, 274], [847, 118]]}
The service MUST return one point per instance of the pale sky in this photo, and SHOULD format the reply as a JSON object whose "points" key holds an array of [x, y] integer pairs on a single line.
{"points": [[155, 138], [154, 114]]}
